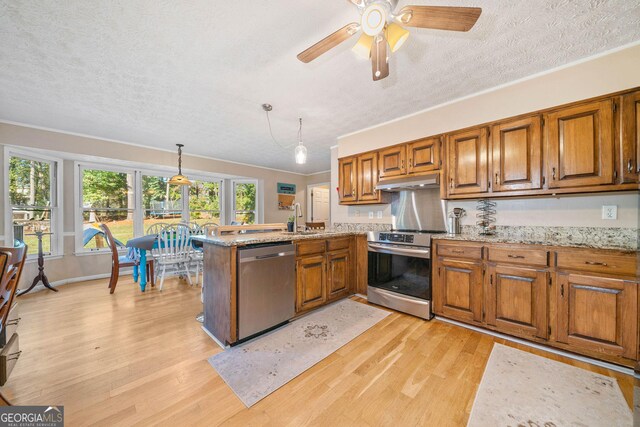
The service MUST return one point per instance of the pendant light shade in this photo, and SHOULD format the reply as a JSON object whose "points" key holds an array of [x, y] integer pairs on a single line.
{"points": [[301, 150], [179, 179], [396, 36], [363, 47]]}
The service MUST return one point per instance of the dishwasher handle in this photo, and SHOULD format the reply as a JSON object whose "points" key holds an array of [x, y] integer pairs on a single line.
{"points": [[269, 256]]}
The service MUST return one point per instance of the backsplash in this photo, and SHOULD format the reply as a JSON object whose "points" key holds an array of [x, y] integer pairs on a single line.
{"points": [[589, 236], [356, 226]]}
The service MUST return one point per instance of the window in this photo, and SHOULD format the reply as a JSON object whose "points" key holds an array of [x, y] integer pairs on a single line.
{"points": [[33, 198], [107, 197], [244, 202], [162, 202], [204, 202]]}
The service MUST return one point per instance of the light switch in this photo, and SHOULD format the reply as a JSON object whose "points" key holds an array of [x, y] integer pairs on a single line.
{"points": [[370, 214], [610, 212], [379, 214]]}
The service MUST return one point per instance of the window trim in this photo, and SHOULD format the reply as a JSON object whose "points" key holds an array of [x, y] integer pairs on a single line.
{"points": [[57, 205], [257, 210]]}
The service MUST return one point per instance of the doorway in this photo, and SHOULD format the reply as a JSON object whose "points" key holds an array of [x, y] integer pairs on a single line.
{"points": [[319, 203]]}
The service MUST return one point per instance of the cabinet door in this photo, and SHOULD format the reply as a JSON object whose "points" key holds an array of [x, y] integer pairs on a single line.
{"points": [[516, 300], [392, 161], [338, 273], [367, 177], [311, 282], [631, 137], [516, 160], [598, 314], [467, 162], [424, 155], [347, 181], [457, 292], [580, 145]]}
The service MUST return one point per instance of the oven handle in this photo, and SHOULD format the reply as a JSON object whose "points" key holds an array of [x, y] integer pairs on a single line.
{"points": [[418, 253]]}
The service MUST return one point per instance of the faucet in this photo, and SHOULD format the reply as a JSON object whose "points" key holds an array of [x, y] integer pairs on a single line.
{"points": [[296, 208]]}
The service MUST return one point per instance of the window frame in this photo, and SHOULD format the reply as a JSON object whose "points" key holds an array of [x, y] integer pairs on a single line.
{"points": [[56, 180], [257, 212], [78, 168], [210, 179]]}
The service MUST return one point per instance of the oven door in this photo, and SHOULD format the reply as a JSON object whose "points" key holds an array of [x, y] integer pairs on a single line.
{"points": [[402, 269]]}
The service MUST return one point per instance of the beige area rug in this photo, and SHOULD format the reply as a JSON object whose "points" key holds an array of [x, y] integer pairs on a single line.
{"points": [[522, 389], [259, 367]]}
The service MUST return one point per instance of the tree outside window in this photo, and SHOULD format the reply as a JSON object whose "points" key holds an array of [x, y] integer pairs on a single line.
{"points": [[162, 202], [245, 202], [204, 202]]}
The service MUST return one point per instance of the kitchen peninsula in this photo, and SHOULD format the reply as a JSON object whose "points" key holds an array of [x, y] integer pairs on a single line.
{"points": [[256, 281]]}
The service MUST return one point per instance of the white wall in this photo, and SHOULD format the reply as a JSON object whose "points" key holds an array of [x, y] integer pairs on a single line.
{"points": [[607, 73]]}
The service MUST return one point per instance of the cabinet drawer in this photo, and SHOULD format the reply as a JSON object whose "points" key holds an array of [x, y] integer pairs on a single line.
{"points": [[456, 251], [519, 256], [339, 243], [8, 358], [310, 248], [598, 262]]}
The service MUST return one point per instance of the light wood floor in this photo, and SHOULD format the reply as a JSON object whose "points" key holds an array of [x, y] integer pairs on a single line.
{"points": [[133, 358]]}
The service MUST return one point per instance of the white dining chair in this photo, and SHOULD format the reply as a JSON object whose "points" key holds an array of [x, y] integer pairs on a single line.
{"points": [[174, 252], [157, 227]]}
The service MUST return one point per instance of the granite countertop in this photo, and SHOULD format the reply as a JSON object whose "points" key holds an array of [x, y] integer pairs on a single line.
{"points": [[271, 237], [548, 239]]}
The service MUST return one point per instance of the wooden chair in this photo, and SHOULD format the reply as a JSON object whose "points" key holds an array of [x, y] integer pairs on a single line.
{"points": [[315, 225], [118, 261], [10, 279]]}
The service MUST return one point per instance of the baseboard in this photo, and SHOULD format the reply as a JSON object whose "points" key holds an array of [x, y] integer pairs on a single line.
{"points": [[214, 338], [62, 282], [606, 365]]}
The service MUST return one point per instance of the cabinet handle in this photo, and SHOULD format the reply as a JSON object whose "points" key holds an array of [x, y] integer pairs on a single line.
{"points": [[562, 291], [497, 179], [451, 183], [603, 264], [630, 166], [411, 163], [515, 256], [553, 173]]}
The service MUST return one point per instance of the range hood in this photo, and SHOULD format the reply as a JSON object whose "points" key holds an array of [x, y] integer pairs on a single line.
{"points": [[410, 183]]}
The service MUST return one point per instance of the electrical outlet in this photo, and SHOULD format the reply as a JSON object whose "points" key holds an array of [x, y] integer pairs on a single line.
{"points": [[610, 212], [357, 213], [379, 214], [371, 215]]}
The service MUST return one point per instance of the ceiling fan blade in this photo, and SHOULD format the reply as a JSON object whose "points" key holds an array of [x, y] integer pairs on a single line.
{"points": [[379, 58], [328, 42], [440, 17]]}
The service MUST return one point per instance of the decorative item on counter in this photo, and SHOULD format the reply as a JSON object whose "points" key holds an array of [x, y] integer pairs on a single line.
{"points": [[486, 217], [290, 224], [455, 225]]}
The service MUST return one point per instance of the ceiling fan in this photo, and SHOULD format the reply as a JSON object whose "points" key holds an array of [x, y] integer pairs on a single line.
{"points": [[383, 28]]}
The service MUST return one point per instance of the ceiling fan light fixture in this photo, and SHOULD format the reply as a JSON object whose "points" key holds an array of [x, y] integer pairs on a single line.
{"points": [[374, 18], [396, 36], [363, 47]]}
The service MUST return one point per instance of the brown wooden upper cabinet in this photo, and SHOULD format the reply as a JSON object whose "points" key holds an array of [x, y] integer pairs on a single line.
{"points": [[393, 161], [580, 145], [630, 137], [367, 177], [516, 155], [467, 165], [424, 155], [347, 180]]}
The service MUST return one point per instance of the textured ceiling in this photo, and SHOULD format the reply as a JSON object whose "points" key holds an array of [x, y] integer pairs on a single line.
{"points": [[160, 72]]}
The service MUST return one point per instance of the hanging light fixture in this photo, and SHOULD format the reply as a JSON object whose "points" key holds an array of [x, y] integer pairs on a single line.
{"points": [[179, 179], [301, 150]]}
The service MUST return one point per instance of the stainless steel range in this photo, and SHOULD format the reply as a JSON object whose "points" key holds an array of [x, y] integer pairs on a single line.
{"points": [[400, 260]]}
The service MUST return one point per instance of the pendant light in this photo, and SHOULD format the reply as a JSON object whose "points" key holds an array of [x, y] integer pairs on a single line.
{"points": [[179, 179], [301, 150]]}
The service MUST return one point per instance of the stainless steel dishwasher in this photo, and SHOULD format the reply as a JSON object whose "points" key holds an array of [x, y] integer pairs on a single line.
{"points": [[266, 287]]}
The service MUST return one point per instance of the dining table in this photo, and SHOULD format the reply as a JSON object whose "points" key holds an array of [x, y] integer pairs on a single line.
{"points": [[142, 245]]}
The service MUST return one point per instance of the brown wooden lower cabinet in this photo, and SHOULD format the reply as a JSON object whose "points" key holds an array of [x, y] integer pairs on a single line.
{"points": [[327, 270], [598, 314], [311, 290], [516, 300], [565, 300], [459, 289]]}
